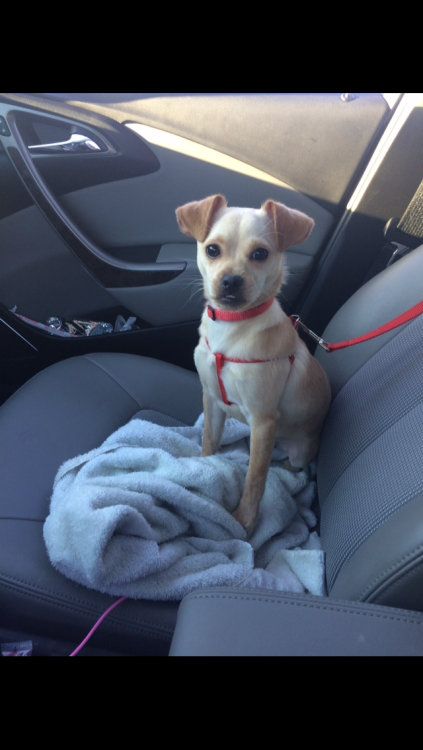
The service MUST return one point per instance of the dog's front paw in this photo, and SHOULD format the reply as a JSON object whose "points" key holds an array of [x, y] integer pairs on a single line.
{"points": [[208, 452], [246, 516]]}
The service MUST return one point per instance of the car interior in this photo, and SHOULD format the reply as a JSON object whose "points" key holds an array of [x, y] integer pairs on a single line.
{"points": [[100, 303]]}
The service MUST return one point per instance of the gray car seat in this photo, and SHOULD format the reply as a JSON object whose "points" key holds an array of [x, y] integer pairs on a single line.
{"points": [[370, 473]]}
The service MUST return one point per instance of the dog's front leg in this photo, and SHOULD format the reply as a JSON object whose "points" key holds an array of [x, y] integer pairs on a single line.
{"points": [[214, 422], [263, 435]]}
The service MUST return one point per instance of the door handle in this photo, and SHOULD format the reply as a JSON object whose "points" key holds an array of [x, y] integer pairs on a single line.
{"points": [[77, 144]]}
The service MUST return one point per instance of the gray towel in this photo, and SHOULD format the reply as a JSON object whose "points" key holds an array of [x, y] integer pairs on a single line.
{"points": [[145, 516]]}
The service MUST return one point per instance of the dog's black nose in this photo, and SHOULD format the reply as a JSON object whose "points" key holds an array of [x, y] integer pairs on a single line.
{"points": [[231, 284]]}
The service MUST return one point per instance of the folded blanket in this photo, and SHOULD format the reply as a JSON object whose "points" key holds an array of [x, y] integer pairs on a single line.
{"points": [[145, 516]]}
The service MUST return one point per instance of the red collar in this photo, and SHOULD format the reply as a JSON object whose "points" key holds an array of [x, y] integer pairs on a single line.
{"points": [[234, 317]]}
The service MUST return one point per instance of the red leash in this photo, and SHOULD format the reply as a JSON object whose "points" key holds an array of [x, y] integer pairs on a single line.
{"points": [[404, 318]]}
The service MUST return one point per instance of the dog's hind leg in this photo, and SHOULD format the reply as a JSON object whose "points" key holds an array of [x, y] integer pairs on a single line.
{"points": [[301, 452]]}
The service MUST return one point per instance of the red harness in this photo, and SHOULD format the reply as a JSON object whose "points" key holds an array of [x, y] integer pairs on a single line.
{"points": [[229, 317], [234, 317]]}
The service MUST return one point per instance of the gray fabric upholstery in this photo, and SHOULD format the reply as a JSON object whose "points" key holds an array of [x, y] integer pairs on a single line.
{"points": [[382, 299], [157, 417], [387, 567], [226, 622], [370, 457], [64, 411], [71, 408], [369, 470]]}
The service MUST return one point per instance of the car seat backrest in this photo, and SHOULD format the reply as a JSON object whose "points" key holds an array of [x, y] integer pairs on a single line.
{"points": [[370, 467], [385, 297]]}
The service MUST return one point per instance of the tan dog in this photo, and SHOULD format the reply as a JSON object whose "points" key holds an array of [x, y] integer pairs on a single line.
{"points": [[275, 386]]}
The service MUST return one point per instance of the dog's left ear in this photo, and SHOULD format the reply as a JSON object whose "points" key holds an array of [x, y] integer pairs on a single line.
{"points": [[291, 227], [196, 219]]}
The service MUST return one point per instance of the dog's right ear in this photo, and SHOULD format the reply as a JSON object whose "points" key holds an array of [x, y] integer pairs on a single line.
{"points": [[291, 227], [196, 219]]}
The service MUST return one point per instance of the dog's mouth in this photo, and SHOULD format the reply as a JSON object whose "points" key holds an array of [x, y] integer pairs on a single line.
{"points": [[231, 300]]}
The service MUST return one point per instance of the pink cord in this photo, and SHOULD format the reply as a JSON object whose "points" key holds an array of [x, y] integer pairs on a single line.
{"points": [[98, 623]]}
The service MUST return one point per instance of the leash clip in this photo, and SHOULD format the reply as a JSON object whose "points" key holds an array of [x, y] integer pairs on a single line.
{"points": [[296, 320]]}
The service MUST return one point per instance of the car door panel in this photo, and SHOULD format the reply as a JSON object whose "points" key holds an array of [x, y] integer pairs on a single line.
{"points": [[40, 275], [129, 213], [313, 142], [302, 150], [140, 211]]}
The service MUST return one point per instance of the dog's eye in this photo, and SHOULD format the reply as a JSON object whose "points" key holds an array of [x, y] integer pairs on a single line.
{"points": [[213, 251], [260, 254]]}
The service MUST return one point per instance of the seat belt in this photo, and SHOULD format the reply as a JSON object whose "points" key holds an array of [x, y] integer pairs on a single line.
{"points": [[405, 234]]}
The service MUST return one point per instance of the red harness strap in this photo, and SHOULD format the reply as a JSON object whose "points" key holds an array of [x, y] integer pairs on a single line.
{"points": [[235, 317], [220, 361]]}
